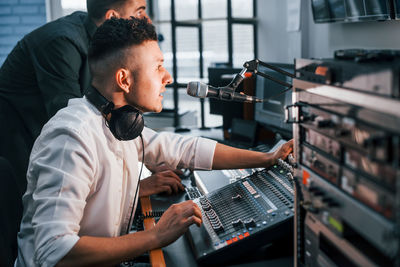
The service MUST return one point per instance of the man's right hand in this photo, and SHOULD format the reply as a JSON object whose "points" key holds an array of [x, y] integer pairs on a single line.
{"points": [[176, 220]]}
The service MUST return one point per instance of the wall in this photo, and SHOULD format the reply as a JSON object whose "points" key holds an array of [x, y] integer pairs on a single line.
{"points": [[17, 18], [275, 43], [317, 40], [323, 39]]}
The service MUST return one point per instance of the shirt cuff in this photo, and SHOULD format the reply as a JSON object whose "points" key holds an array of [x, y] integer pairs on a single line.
{"points": [[204, 156], [59, 248]]}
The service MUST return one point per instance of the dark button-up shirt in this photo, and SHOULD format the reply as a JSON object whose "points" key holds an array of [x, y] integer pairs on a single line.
{"points": [[43, 71]]}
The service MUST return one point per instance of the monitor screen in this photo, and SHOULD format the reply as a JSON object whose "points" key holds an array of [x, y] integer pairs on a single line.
{"points": [[328, 10], [350, 10], [367, 10], [272, 113]]}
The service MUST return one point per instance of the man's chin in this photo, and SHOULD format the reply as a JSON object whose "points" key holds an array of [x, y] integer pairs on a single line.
{"points": [[158, 110]]}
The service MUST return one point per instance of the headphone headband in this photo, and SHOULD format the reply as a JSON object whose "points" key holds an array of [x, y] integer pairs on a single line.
{"points": [[99, 101]]}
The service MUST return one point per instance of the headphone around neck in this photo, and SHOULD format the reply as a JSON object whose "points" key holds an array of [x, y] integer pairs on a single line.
{"points": [[126, 123]]}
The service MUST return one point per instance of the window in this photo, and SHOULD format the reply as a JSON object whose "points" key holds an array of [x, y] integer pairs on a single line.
{"points": [[198, 34], [60, 8]]}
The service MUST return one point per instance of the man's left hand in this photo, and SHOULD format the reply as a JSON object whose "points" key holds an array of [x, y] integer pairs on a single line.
{"points": [[163, 181]]}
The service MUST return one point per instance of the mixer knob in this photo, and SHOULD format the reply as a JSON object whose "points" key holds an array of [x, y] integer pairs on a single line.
{"points": [[250, 223]]}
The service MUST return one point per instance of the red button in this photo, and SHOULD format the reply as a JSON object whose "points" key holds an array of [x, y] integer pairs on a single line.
{"points": [[235, 239], [229, 241], [246, 234], [241, 237]]}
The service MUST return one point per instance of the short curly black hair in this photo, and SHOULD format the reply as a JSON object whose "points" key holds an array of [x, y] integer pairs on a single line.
{"points": [[114, 35]]}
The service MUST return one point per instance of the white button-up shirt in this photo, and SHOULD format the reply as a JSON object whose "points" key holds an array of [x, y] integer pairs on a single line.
{"points": [[82, 180]]}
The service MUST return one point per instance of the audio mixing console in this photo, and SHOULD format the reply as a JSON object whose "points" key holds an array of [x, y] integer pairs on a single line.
{"points": [[251, 212]]}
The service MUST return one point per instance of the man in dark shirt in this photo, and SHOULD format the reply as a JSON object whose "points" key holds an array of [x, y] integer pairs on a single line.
{"points": [[44, 70]]}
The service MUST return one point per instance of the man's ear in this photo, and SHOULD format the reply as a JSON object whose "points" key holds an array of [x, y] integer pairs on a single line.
{"points": [[111, 13], [124, 79]]}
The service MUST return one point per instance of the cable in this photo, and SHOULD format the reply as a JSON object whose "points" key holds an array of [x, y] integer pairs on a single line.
{"points": [[137, 188]]}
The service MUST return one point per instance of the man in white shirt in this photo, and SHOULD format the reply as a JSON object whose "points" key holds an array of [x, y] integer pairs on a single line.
{"points": [[83, 180]]}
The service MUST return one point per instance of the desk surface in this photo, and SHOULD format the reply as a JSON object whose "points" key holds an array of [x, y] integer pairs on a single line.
{"points": [[179, 253]]}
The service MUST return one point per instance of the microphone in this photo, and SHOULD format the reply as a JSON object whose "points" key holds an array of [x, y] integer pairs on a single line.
{"points": [[201, 90]]}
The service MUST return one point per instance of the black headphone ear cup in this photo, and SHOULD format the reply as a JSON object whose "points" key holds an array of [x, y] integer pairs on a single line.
{"points": [[126, 123]]}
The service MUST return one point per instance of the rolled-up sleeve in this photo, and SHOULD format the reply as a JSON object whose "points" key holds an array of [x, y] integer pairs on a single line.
{"points": [[63, 171], [177, 151]]}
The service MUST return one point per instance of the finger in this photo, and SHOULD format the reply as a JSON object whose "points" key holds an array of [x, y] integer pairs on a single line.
{"points": [[188, 208], [197, 211], [166, 189], [192, 210], [289, 144], [175, 184], [172, 184], [178, 172], [173, 175], [193, 220], [181, 187], [178, 180]]}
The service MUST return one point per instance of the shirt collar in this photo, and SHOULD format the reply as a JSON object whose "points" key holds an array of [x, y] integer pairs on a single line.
{"points": [[90, 27]]}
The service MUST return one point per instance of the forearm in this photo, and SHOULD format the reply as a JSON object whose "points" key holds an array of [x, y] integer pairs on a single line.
{"points": [[109, 251], [226, 157]]}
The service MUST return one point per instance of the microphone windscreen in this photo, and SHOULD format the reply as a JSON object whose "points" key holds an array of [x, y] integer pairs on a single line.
{"points": [[197, 89]]}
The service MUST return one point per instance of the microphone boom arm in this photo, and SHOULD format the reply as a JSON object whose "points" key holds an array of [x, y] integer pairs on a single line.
{"points": [[252, 66]]}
